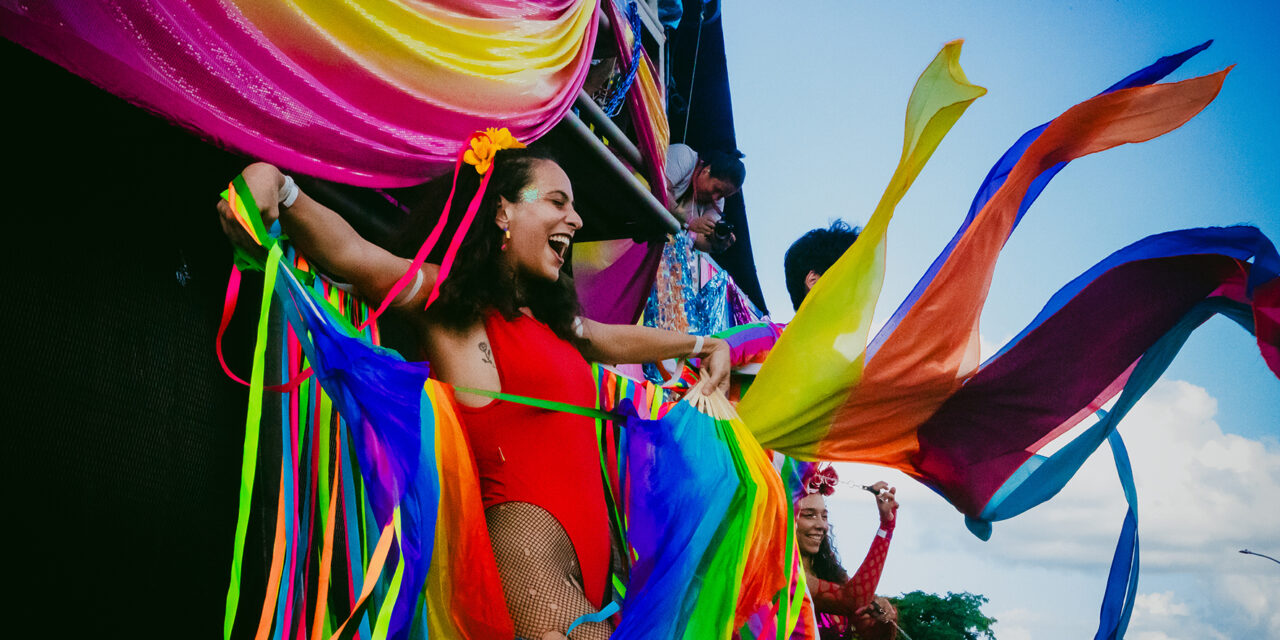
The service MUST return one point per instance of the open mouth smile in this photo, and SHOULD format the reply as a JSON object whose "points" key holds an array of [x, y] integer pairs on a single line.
{"points": [[559, 243]]}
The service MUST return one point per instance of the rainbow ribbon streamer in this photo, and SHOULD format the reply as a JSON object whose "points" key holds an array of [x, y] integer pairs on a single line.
{"points": [[377, 481]]}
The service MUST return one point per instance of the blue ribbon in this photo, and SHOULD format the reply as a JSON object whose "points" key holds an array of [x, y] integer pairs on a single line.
{"points": [[598, 616], [1122, 582]]}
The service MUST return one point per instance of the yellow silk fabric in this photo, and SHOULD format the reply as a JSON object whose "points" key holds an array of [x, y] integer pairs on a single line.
{"points": [[466, 62], [820, 356]]}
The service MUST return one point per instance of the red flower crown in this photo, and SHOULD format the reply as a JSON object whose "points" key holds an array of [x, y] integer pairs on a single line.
{"points": [[822, 478]]}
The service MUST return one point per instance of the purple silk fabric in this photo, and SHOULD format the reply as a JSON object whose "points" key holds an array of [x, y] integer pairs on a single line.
{"points": [[616, 294], [1114, 313], [278, 90], [680, 482], [381, 397]]}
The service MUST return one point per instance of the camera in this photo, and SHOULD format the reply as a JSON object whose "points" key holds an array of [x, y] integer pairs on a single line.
{"points": [[723, 230]]}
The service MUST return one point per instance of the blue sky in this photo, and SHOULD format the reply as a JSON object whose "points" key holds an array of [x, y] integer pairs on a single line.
{"points": [[834, 76]]}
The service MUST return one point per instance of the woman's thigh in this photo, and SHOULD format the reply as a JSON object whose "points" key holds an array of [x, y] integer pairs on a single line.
{"points": [[541, 575]]}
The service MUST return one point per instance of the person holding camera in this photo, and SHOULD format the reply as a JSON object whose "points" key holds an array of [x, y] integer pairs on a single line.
{"points": [[698, 183]]}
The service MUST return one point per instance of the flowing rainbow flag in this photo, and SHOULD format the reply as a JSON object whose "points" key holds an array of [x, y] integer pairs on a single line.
{"points": [[706, 520], [824, 393], [819, 358], [915, 397], [379, 527]]}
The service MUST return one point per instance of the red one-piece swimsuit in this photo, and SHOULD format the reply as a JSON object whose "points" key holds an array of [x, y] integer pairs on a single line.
{"points": [[546, 458]]}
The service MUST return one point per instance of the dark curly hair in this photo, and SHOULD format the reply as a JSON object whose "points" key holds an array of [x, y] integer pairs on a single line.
{"points": [[826, 562], [815, 251], [479, 280]]}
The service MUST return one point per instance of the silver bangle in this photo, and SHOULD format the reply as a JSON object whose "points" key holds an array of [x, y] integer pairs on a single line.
{"points": [[697, 346], [289, 192]]}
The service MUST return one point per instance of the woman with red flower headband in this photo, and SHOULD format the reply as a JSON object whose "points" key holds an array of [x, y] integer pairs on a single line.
{"points": [[847, 607], [505, 319]]}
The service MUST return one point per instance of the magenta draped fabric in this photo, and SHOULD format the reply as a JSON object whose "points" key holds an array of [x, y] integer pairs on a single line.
{"points": [[367, 93]]}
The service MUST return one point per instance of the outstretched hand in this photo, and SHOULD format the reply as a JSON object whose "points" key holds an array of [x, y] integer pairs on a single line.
{"points": [[715, 366], [264, 183], [886, 500], [877, 621]]}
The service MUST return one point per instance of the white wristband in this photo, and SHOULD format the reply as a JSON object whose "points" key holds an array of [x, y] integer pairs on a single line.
{"points": [[401, 298], [289, 192], [697, 346]]}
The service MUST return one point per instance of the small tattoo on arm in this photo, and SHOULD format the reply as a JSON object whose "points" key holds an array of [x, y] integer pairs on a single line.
{"points": [[487, 355]]}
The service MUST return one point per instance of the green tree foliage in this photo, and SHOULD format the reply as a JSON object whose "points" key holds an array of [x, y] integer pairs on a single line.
{"points": [[929, 616]]}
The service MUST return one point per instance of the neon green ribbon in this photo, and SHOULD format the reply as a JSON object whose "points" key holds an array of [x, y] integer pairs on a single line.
{"points": [[550, 405], [252, 423]]}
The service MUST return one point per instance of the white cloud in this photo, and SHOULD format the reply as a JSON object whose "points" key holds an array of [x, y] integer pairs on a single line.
{"points": [[1016, 624], [1166, 616], [1150, 635], [1159, 604], [1257, 594], [1199, 491], [1203, 495]]}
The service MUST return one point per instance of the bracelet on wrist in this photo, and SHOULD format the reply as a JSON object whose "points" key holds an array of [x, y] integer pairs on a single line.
{"points": [[697, 346], [289, 192]]}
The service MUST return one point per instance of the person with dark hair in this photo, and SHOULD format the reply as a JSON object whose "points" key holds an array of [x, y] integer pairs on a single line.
{"points": [[812, 254], [847, 607], [506, 320], [697, 184]]}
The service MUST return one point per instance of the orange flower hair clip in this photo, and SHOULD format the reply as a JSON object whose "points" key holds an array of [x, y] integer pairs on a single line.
{"points": [[485, 144]]}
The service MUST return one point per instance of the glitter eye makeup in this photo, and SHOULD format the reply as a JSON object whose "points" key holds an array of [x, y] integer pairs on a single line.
{"points": [[530, 194]]}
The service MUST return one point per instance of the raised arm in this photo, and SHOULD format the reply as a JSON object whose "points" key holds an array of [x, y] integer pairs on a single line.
{"points": [[325, 238], [629, 344], [850, 598]]}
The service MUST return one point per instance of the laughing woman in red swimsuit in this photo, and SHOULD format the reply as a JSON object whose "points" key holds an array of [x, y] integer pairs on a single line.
{"points": [[507, 320]]}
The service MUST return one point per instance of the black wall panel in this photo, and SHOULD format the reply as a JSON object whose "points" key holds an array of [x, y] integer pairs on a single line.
{"points": [[123, 437]]}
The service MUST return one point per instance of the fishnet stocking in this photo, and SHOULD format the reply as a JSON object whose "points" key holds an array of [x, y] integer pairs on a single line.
{"points": [[860, 590], [541, 578]]}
